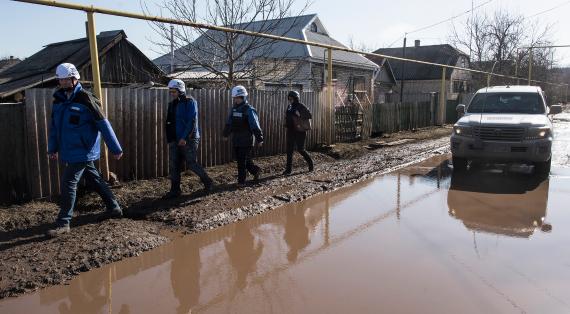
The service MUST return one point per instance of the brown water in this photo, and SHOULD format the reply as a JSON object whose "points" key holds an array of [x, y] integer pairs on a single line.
{"points": [[416, 241]]}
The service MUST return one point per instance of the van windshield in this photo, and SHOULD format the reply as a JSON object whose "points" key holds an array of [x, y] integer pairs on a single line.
{"points": [[525, 103]]}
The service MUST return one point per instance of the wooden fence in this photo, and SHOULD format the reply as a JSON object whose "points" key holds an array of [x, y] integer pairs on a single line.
{"points": [[394, 117], [13, 186], [138, 115]]}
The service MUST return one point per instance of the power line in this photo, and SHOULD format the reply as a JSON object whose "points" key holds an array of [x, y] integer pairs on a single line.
{"points": [[450, 19], [548, 10], [440, 22]]}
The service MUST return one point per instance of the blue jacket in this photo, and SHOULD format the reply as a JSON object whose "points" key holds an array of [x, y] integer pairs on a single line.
{"points": [[186, 117], [76, 125], [243, 123]]}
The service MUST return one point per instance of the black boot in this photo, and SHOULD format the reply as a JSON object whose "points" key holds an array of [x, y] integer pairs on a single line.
{"points": [[172, 194], [208, 184]]}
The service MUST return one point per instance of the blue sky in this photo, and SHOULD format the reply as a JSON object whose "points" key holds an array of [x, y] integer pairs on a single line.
{"points": [[26, 27]]}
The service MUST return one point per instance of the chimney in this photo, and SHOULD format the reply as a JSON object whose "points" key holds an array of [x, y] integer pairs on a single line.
{"points": [[11, 57], [417, 43]]}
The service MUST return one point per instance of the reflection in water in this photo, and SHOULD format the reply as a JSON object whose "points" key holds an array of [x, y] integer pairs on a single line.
{"points": [[505, 204], [243, 252], [296, 231], [295, 259], [86, 296], [185, 275]]}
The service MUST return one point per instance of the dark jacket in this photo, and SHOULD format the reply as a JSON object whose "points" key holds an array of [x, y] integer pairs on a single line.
{"points": [[183, 113], [243, 124], [76, 125], [290, 115]]}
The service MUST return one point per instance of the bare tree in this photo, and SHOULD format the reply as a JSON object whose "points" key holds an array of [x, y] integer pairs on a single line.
{"points": [[360, 45], [500, 42], [230, 57]]}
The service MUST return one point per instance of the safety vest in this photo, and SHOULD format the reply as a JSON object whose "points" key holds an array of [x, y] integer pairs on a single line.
{"points": [[240, 122]]}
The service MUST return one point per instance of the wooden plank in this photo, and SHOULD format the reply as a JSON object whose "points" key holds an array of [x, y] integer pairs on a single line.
{"points": [[225, 104], [42, 145], [110, 110], [214, 125], [126, 99], [104, 161], [160, 134], [165, 159], [32, 144], [147, 118], [154, 134], [136, 137], [53, 164], [209, 146]]}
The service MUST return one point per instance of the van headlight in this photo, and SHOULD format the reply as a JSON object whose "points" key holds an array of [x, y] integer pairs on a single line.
{"points": [[462, 130], [538, 133]]}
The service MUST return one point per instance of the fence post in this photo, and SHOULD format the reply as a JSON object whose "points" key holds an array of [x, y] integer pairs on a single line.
{"points": [[432, 109]]}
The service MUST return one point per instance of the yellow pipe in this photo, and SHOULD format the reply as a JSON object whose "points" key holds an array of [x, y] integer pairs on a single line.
{"points": [[93, 9], [94, 56], [94, 51]]}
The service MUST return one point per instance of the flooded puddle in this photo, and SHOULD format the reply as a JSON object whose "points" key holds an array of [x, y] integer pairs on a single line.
{"points": [[415, 241]]}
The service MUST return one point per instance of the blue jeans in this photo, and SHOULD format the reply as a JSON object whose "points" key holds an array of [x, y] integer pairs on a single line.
{"points": [[188, 153], [71, 176]]}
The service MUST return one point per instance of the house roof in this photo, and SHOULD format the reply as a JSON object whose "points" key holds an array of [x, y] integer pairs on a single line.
{"points": [[40, 67], [298, 27], [384, 63], [6, 63], [443, 54]]}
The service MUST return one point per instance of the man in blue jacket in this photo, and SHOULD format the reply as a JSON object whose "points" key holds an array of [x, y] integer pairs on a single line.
{"points": [[183, 137], [243, 124], [77, 122]]}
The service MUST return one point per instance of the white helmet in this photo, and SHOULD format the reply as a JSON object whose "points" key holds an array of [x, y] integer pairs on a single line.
{"points": [[66, 70], [239, 91], [177, 84]]}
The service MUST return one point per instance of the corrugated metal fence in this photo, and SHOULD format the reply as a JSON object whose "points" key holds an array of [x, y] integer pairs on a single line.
{"points": [[138, 115]]}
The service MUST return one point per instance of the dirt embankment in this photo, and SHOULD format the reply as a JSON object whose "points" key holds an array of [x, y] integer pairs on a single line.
{"points": [[31, 261]]}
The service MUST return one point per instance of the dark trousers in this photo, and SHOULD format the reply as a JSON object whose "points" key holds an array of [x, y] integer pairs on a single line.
{"points": [[188, 154], [296, 140], [71, 176], [245, 163]]}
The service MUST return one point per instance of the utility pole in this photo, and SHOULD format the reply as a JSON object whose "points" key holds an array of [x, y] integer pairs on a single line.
{"points": [[530, 66], [471, 32], [171, 48], [403, 72]]}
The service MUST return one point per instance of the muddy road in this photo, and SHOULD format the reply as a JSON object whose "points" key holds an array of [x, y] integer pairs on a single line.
{"points": [[416, 240], [30, 261]]}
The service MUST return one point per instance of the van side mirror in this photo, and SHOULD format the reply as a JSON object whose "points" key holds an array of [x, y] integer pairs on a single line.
{"points": [[460, 109], [555, 109]]}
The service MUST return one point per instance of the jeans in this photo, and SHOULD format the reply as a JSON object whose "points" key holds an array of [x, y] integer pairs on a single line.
{"points": [[188, 153], [245, 163], [71, 176], [297, 140]]}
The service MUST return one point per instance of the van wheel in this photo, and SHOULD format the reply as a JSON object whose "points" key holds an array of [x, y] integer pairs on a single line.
{"points": [[542, 168], [459, 164]]}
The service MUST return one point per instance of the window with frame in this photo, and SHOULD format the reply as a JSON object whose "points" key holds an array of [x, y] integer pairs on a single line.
{"points": [[459, 86], [314, 28]]}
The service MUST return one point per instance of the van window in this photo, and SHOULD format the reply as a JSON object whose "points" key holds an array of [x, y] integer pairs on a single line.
{"points": [[525, 103]]}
